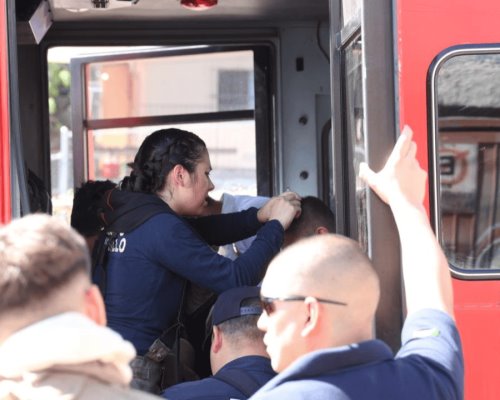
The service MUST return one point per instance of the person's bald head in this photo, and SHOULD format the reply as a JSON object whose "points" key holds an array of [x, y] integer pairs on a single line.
{"points": [[323, 264], [325, 267]]}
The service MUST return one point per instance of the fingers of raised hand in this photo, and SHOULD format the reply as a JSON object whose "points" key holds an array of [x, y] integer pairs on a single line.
{"points": [[365, 173], [290, 202], [412, 152], [400, 174], [402, 146], [296, 208], [288, 213], [290, 196], [372, 179], [285, 207]]}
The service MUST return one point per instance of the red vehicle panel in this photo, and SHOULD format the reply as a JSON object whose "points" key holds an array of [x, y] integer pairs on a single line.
{"points": [[424, 29]]}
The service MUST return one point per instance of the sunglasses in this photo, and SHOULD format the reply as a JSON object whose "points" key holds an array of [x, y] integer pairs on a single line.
{"points": [[269, 307]]}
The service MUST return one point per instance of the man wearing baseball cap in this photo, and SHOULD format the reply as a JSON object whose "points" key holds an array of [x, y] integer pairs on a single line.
{"points": [[238, 358]]}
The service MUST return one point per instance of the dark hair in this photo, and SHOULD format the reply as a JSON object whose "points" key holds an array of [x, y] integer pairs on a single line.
{"points": [[244, 327], [314, 213], [39, 254], [161, 151], [87, 206]]}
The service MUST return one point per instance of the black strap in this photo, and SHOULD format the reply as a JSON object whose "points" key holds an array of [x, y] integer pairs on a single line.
{"points": [[240, 380], [100, 258], [171, 336]]}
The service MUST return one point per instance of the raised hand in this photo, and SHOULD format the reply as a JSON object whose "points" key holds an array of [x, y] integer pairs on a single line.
{"points": [[401, 175], [401, 184]]}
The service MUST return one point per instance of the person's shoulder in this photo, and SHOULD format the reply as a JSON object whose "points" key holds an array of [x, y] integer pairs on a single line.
{"points": [[431, 343], [84, 387], [316, 374], [299, 389], [429, 323], [204, 389], [181, 391], [252, 363], [115, 392], [161, 222], [123, 393]]}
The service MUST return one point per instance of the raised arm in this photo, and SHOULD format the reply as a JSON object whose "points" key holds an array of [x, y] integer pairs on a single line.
{"points": [[401, 184]]}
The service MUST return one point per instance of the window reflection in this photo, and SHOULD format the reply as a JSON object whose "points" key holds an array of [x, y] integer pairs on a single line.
{"points": [[353, 101], [468, 126], [167, 84], [349, 9], [164, 85]]}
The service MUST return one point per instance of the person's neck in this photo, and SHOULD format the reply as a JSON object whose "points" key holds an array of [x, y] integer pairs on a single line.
{"points": [[239, 350], [169, 200], [349, 336]]}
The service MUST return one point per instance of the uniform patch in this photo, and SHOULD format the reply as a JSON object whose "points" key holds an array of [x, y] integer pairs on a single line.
{"points": [[423, 333]]}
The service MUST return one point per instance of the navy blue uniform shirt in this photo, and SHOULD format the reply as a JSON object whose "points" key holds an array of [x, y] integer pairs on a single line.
{"points": [[429, 366], [237, 379], [148, 266]]}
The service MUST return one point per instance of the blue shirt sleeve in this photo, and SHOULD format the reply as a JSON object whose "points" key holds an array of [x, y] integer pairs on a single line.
{"points": [[177, 247], [431, 338], [220, 229]]}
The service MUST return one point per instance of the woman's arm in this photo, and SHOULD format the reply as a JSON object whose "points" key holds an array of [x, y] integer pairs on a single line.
{"points": [[177, 247], [232, 227], [226, 228]]}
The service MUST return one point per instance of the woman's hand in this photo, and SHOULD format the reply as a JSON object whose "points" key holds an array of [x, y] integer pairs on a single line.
{"points": [[283, 208]]}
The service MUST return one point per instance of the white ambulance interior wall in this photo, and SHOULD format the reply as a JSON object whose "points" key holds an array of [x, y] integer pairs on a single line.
{"points": [[304, 108]]}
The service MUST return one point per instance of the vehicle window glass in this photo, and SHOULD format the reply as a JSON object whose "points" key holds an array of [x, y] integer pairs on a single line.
{"points": [[353, 100], [61, 136], [126, 91], [468, 145], [349, 10], [166, 85]]}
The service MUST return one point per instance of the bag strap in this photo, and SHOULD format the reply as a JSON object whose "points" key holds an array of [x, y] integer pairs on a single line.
{"points": [[100, 258], [238, 379], [171, 336]]}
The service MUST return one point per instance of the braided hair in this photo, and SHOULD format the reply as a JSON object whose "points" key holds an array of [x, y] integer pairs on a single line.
{"points": [[161, 151]]}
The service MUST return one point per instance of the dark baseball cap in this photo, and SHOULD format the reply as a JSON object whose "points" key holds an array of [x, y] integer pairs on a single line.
{"points": [[228, 304]]}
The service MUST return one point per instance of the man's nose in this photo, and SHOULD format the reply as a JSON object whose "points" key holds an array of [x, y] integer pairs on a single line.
{"points": [[262, 322]]}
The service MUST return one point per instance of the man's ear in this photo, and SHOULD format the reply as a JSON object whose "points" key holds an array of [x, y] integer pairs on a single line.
{"points": [[321, 230], [217, 339], [312, 308], [94, 306]]}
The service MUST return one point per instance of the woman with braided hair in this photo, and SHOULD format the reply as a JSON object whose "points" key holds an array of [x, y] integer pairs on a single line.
{"points": [[152, 245]]}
